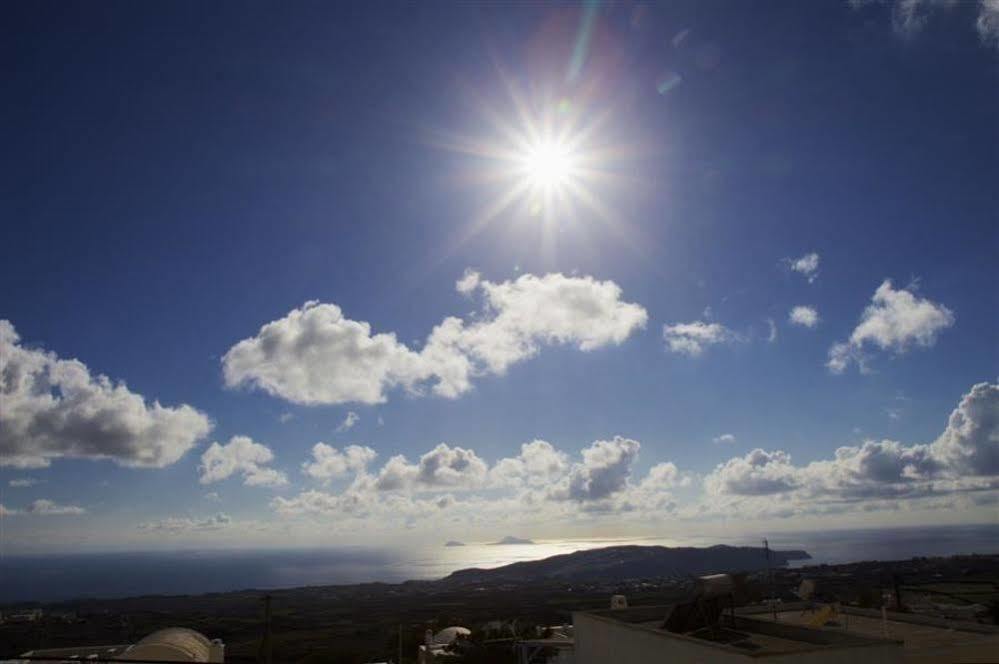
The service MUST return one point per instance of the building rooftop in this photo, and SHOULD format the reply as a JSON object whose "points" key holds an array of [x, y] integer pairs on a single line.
{"points": [[924, 638], [738, 635]]}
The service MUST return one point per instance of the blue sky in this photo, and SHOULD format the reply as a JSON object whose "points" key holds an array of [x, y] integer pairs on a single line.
{"points": [[177, 176]]}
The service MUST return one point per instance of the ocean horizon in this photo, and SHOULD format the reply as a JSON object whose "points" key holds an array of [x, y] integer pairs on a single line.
{"points": [[63, 577]]}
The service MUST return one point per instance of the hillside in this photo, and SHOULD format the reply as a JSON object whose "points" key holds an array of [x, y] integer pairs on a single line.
{"points": [[630, 562]]}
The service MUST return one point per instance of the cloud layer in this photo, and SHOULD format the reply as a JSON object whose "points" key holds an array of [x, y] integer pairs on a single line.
{"points": [[315, 355], [964, 458], [543, 483], [54, 408]]}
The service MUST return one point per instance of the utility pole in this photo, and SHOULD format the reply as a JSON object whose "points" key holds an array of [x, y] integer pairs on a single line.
{"points": [[265, 655], [770, 579]]}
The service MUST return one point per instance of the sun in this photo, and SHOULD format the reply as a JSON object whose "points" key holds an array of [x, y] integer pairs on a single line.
{"points": [[547, 165]]}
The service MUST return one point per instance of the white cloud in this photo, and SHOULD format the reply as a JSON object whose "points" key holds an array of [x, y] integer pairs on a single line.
{"points": [[964, 458], [692, 338], [804, 316], [970, 443], [468, 282], [49, 507], [286, 417], [22, 482], [727, 438], [538, 464], [54, 408], [772, 334], [349, 421], [541, 484], [604, 471], [186, 524], [540, 481], [807, 266], [442, 467], [330, 463], [213, 496], [896, 320], [315, 355], [758, 473], [240, 455]]}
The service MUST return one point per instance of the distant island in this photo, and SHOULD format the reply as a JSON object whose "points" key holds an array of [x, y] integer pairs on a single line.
{"points": [[628, 562], [510, 539], [454, 543]]}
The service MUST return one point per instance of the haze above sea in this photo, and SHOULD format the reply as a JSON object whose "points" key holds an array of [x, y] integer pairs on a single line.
{"points": [[103, 575]]}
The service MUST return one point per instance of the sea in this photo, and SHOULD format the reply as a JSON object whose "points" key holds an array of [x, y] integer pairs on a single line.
{"points": [[58, 577]]}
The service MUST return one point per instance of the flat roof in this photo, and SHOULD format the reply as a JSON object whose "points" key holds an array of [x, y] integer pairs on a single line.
{"points": [[918, 632], [742, 634]]}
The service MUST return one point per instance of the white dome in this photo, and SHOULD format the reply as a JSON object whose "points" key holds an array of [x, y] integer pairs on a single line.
{"points": [[174, 644], [451, 634]]}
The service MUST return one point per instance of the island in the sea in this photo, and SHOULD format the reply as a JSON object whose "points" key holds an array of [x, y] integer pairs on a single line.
{"points": [[510, 539], [629, 562], [454, 543]]}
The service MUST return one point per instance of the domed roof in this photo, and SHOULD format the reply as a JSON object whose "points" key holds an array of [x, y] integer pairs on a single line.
{"points": [[177, 644], [451, 634]]}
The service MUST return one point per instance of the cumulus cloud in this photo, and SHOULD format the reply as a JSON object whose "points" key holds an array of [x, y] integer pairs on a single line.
{"points": [[315, 355], [54, 408], [758, 473], [692, 338], [540, 480], [22, 482], [186, 524], [772, 330], [896, 320], [807, 266], [442, 467], [804, 316], [725, 438], [605, 470], [970, 443], [240, 455], [964, 458], [538, 464], [330, 463], [349, 421]]}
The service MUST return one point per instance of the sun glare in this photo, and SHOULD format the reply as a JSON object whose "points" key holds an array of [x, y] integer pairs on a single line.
{"points": [[547, 165]]}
